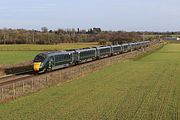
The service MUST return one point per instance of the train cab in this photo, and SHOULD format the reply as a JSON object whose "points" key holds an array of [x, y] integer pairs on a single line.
{"points": [[39, 62]]}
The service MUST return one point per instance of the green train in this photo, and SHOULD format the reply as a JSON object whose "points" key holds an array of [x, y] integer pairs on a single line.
{"points": [[49, 61]]}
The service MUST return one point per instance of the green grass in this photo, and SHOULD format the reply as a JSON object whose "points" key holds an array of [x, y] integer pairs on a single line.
{"points": [[147, 88], [13, 57], [31, 47], [13, 54]]}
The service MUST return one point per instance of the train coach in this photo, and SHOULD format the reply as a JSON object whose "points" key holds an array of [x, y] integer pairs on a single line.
{"points": [[117, 49], [103, 51], [53, 60], [86, 54], [126, 47], [49, 61]]}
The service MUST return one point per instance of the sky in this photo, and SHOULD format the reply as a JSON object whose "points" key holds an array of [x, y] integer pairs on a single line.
{"points": [[127, 15]]}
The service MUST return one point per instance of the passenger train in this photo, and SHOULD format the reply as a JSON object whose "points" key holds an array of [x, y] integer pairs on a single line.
{"points": [[49, 61]]}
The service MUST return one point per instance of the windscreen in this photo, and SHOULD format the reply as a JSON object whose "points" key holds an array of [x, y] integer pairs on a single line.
{"points": [[39, 58]]}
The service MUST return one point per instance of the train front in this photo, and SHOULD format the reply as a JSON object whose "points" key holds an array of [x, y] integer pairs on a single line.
{"points": [[39, 63]]}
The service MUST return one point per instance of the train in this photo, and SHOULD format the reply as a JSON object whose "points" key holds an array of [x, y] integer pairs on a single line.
{"points": [[49, 61]]}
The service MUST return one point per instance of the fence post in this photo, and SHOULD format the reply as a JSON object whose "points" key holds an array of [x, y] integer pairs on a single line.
{"points": [[80, 71], [32, 83], [46, 80], [39, 82], [23, 87], [14, 91], [2, 92]]}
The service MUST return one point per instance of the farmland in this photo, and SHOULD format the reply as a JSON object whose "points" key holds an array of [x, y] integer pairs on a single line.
{"points": [[12, 57], [12, 54], [143, 88], [34, 47]]}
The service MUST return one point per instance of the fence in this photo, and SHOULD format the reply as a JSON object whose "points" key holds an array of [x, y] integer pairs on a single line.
{"points": [[20, 88]]}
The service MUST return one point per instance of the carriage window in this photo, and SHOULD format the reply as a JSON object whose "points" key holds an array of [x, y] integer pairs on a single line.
{"points": [[39, 58]]}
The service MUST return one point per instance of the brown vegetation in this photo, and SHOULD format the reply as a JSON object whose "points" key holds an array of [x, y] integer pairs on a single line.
{"points": [[45, 36]]}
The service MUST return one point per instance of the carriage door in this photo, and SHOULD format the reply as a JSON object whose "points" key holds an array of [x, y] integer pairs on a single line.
{"points": [[51, 62]]}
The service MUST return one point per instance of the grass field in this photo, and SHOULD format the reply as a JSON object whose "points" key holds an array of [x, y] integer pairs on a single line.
{"points": [[31, 47], [147, 88], [12, 54], [12, 57]]}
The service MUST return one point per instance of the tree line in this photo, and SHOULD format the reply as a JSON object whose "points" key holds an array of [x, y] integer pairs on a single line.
{"points": [[45, 36]]}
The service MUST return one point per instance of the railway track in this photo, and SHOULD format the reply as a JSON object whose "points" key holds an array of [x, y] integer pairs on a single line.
{"points": [[29, 74], [4, 80], [15, 77]]}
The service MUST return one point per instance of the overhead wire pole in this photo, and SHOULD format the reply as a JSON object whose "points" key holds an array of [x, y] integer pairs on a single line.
{"points": [[33, 37], [177, 35], [143, 41]]}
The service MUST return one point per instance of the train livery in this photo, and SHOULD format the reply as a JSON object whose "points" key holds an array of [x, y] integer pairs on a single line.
{"points": [[49, 61]]}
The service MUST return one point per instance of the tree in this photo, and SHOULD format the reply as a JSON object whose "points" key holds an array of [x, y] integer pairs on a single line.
{"points": [[44, 29]]}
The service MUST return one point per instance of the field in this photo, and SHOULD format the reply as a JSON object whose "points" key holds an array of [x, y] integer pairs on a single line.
{"points": [[12, 54], [145, 88], [31, 47], [12, 57]]}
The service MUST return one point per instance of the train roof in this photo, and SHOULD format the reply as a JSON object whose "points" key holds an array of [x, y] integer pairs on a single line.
{"points": [[125, 44], [85, 49], [116, 45], [52, 53], [56, 53], [132, 43], [101, 47]]}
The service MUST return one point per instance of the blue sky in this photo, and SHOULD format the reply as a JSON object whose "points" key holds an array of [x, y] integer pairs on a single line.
{"points": [[129, 15]]}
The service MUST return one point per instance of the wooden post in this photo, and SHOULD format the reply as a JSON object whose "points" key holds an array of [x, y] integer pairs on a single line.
{"points": [[80, 71], [60, 74], [2, 93], [46, 80], [143, 49], [14, 91], [32, 83], [23, 87], [39, 83]]}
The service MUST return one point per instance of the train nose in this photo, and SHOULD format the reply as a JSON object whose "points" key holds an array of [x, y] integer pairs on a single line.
{"points": [[36, 66]]}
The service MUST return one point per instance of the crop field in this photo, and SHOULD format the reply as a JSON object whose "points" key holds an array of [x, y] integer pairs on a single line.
{"points": [[12, 54], [146, 88]]}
